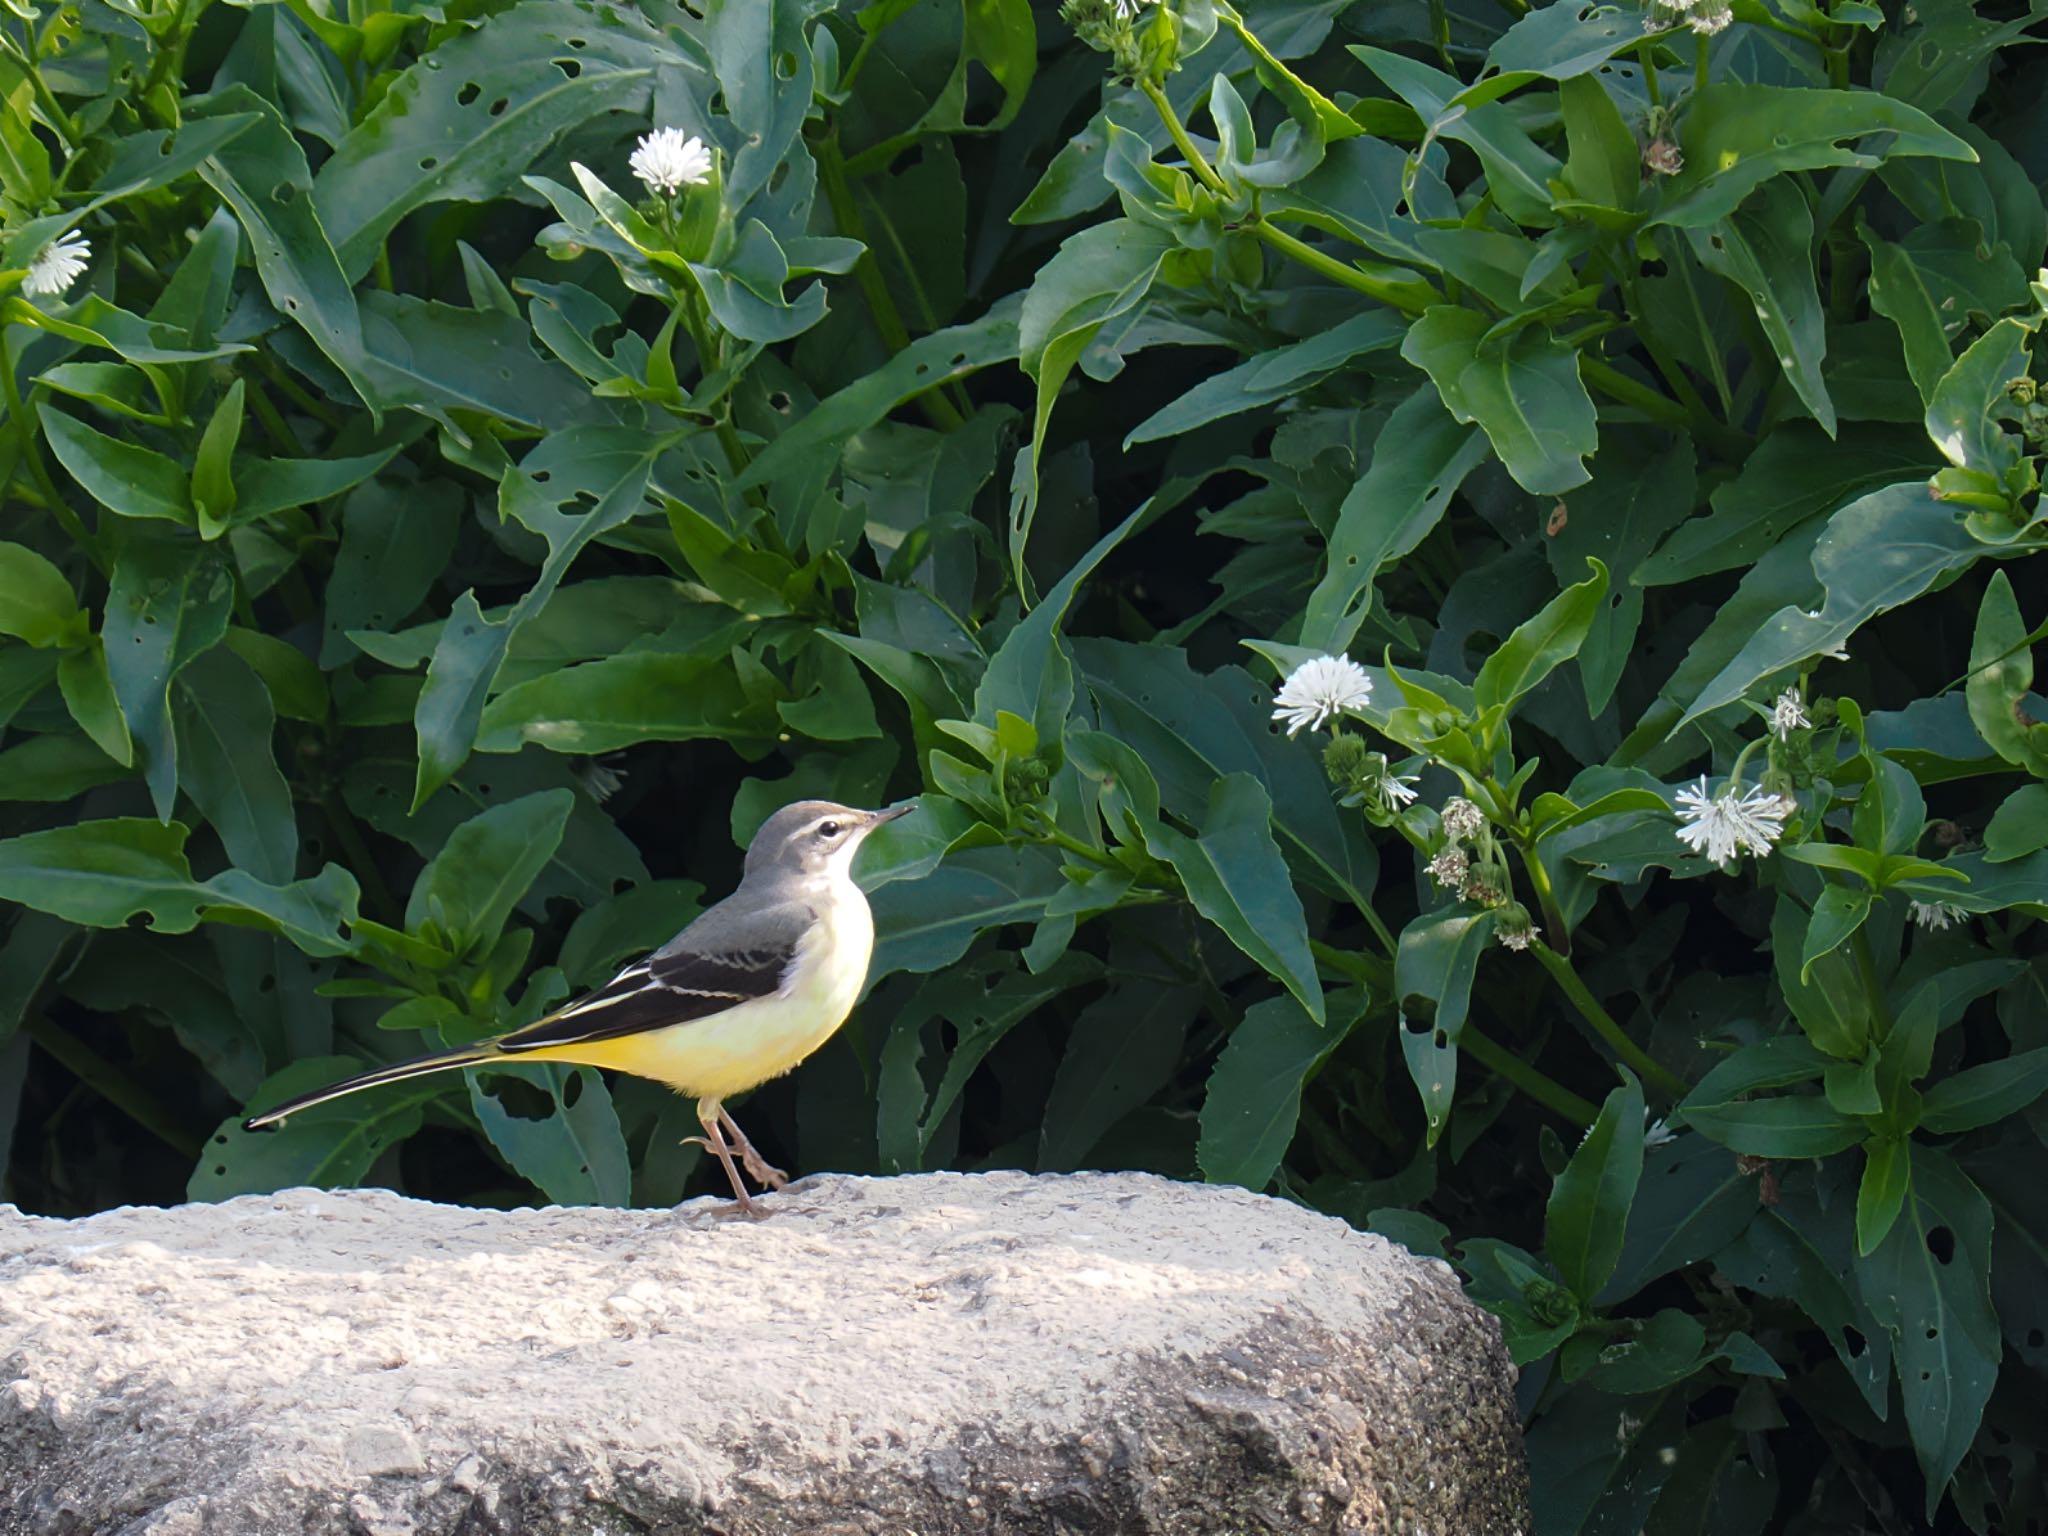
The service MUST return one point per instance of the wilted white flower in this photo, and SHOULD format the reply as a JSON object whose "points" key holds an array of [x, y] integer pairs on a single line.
{"points": [[1319, 688], [1706, 17], [1789, 715], [1461, 818], [599, 778], [1393, 791], [1937, 915], [57, 266], [1656, 1133], [1720, 826], [1515, 938], [667, 159], [1448, 868]]}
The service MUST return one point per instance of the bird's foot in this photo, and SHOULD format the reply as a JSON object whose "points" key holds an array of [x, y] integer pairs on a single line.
{"points": [[759, 1169]]}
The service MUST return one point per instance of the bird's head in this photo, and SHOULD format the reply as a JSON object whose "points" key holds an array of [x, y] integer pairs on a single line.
{"points": [[815, 837]]}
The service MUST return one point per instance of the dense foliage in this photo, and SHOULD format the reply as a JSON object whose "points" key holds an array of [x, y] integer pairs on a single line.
{"points": [[425, 519]]}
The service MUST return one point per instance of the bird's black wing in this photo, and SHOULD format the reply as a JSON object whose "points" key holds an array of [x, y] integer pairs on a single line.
{"points": [[692, 977]]}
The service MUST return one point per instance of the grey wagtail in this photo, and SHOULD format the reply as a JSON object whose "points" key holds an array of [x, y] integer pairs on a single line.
{"points": [[748, 990]]}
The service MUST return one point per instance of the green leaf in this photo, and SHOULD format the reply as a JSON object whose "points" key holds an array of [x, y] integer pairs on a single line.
{"points": [[926, 924], [1736, 137], [37, 603], [1540, 644], [1193, 729], [467, 891], [1124, 1048], [575, 1154], [88, 691], [1899, 291], [1031, 675], [940, 358], [609, 467], [168, 600], [1765, 247], [1254, 1093], [122, 477], [1986, 1094], [2020, 824], [1587, 1214], [213, 484], [1928, 1285], [296, 688], [1518, 171], [393, 544], [2000, 677], [1434, 963], [225, 725], [102, 873], [330, 1146], [1881, 550], [1524, 392], [1097, 275], [1794, 473], [1604, 166], [1278, 373], [262, 176], [466, 121], [1662, 1350], [55, 767], [1420, 458], [604, 705], [1800, 1126], [1837, 915], [1961, 417], [1775, 1063], [1887, 1171], [1236, 878]]}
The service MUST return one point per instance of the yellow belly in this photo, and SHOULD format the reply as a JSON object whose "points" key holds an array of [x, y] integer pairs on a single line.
{"points": [[730, 1052]]}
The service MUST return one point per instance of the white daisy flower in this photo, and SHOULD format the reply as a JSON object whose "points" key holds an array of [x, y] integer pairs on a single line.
{"points": [[1789, 715], [1656, 1133], [1320, 688], [1131, 10], [57, 266], [667, 159], [1734, 821], [1937, 915]]}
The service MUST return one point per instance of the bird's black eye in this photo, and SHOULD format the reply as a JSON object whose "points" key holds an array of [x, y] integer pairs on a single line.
{"points": [[828, 829]]}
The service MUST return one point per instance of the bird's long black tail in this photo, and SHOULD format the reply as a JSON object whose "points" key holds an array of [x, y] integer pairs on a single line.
{"points": [[441, 1061]]}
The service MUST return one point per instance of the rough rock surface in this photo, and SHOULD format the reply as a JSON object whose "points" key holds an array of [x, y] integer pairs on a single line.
{"points": [[880, 1357]]}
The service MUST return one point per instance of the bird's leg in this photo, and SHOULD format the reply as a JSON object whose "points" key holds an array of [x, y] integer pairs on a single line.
{"points": [[758, 1167], [708, 1114]]}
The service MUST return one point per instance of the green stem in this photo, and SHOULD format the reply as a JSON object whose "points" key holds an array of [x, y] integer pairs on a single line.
{"points": [[1701, 52], [940, 411], [1546, 898], [1393, 295], [1646, 54], [25, 435], [111, 1084], [1198, 162], [376, 895], [274, 423], [1866, 967], [59, 120], [1505, 1064], [696, 319], [1618, 386], [170, 52], [1646, 1066]]}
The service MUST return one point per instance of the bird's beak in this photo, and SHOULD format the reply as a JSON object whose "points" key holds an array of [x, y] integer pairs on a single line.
{"points": [[891, 814]]}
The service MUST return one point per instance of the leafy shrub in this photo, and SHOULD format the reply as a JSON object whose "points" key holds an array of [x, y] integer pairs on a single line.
{"points": [[431, 504]]}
